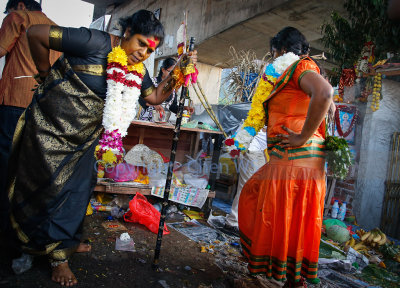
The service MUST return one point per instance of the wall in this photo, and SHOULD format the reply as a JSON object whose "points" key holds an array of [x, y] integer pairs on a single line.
{"points": [[377, 131], [345, 190], [210, 80]]}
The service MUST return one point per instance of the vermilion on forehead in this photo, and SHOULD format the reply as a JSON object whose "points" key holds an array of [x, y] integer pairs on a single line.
{"points": [[152, 44]]}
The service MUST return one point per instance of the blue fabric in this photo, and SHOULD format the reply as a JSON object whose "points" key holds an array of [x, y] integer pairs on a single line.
{"points": [[250, 130], [270, 71]]}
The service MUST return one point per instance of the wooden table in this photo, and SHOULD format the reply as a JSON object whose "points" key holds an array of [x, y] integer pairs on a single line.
{"points": [[158, 137]]}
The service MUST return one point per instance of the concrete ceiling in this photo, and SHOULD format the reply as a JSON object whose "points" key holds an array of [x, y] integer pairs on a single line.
{"points": [[105, 3], [255, 33]]}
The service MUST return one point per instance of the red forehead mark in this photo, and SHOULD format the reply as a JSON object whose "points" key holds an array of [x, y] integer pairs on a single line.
{"points": [[152, 44]]}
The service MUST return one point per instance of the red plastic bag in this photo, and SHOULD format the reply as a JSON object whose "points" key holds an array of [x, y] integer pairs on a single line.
{"points": [[141, 211]]}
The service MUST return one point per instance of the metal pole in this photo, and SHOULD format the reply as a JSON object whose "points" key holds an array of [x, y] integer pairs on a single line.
{"points": [[175, 140]]}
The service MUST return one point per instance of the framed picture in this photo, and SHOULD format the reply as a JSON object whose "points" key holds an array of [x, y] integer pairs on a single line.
{"points": [[345, 120]]}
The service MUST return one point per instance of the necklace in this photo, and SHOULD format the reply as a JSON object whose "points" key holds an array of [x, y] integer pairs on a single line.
{"points": [[256, 117], [123, 90]]}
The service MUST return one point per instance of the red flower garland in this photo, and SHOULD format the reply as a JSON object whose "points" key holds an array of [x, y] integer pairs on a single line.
{"points": [[229, 142], [346, 79], [347, 109]]}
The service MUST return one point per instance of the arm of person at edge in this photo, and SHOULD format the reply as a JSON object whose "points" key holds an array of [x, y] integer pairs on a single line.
{"points": [[2, 52], [321, 93], [11, 29]]}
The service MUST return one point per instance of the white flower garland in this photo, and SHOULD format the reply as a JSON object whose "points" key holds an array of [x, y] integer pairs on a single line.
{"points": [[123, 90]]}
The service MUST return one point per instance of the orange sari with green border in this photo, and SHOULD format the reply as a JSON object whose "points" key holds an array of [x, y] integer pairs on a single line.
{"points": [[281, 206]]}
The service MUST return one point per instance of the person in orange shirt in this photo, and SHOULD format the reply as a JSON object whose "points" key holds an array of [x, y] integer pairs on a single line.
{"points": [[281, 206]]}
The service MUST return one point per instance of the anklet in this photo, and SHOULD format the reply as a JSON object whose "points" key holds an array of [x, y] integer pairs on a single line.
{"points": [[57, 263]]}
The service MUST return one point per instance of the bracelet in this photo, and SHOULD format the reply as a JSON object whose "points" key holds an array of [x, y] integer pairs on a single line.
{"points": [[177, 80]]}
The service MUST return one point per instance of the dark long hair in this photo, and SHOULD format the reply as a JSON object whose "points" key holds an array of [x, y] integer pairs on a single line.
{"points": [[168, 62], [31, 5], [289, 39], [143, 22]]}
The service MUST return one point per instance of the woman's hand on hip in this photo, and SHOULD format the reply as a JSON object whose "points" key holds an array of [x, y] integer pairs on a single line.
{"points": [[291, 139]]}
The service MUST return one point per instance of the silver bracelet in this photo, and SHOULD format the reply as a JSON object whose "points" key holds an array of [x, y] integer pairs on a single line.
{"points": [[57, 263]]}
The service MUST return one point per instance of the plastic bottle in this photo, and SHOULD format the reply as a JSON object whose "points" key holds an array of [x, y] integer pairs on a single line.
{"points": [[342, 211], [335, 209]]}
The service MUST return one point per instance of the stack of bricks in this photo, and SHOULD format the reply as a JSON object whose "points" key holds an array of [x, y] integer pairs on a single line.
{"points": [[345, 191]]}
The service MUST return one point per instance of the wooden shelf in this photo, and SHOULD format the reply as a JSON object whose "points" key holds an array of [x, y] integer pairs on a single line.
{"points": [[171, 127], [390, 69], [130, 188]]}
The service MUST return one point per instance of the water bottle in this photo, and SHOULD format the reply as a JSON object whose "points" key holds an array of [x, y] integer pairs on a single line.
{"points": [[335, 209], [342, 211]]}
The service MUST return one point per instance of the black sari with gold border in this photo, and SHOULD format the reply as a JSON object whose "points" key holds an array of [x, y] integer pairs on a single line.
{"points": [[52, 165]]}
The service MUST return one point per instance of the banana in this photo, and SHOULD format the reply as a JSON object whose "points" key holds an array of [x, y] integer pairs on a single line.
{"points": [[377, 238], [371, 236], [383, 239], [365, 236], [352, 242], [359, 246]]}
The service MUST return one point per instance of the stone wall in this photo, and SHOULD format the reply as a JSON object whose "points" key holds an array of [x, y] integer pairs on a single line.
{"points": [[377, 131]]}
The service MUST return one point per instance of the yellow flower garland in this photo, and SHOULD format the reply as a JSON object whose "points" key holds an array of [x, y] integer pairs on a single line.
{"points": [[256, 117], [118, 55]]}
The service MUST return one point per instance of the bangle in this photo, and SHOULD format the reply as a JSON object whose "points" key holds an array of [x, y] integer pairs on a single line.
{"points": [[177, 80]]}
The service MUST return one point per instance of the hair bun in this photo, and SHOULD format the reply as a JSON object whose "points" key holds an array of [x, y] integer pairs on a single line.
{"points": [[305, 48]]}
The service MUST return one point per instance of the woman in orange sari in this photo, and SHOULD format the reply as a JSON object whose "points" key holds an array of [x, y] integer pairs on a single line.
{"points": [[280, 208]]}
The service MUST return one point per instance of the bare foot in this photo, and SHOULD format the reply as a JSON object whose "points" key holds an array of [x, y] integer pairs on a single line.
{"points": [[84, 247], [63, 275]]}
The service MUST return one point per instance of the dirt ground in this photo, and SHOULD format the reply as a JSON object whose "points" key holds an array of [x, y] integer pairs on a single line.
{"points": [[181, 261]]}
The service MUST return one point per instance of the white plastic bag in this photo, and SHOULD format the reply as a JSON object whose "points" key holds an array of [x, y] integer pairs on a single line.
{"points": [[195, 181], [22, 264], [124, 243]]}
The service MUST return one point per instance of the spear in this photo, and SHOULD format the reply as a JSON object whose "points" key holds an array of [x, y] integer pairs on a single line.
{"points": [[175, 139]]}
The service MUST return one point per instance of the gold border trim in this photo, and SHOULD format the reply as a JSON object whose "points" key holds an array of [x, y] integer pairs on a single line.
{"points": [[96, 70], [302, 75], [55, 37]]}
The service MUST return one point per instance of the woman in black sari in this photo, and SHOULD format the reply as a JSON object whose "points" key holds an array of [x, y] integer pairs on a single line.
{"points": [[52, 164]]}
